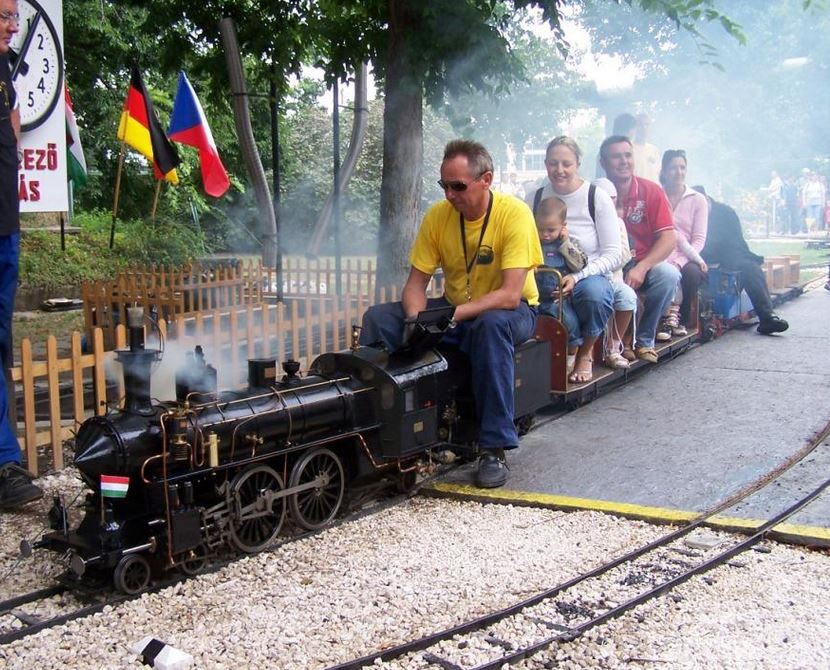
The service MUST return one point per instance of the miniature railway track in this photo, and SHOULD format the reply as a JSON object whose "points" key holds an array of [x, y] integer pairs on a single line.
{"points": [[33, 623], [569, 609]]}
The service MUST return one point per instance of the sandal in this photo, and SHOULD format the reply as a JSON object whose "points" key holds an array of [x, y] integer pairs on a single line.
{"points": [[629, 355], [570, 361], [580, 375], [615, 360]]}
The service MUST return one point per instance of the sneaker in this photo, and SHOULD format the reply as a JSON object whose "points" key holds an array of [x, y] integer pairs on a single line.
{"points": [[772, 324], [672, 318], [679, 331], [664, 330], [492, 469], [16, 487]]}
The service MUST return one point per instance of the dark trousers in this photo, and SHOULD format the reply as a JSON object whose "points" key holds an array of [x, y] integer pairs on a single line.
{"points": [[9, 261], [489, 341], [691, 277]]}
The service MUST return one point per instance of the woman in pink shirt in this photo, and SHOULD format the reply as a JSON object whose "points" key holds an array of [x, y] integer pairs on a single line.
{"points": [[691, 216]]}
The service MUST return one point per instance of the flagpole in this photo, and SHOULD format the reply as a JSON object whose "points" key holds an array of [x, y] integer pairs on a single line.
{"points": [[117, 193], [156, 200]]}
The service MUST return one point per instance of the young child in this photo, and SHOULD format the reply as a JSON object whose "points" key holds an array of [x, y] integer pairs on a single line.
{"points": [[625, 299], [559, 253]]}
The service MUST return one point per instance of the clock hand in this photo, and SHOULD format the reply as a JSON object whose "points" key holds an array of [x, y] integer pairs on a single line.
{"points": [[24, 67], [21, 58]]}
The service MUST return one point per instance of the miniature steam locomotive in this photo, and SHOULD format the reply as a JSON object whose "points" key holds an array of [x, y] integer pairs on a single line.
{"points": [[174, 483]]}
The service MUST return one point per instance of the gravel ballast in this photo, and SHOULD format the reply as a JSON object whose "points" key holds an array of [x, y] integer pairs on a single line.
{"points": [[429, 564]]}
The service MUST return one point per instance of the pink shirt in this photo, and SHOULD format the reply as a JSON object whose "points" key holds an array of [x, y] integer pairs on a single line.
{"points": [[691, 219]]}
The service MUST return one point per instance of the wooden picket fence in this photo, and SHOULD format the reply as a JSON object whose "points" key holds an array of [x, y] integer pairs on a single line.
{"points": [[168, 293], [89, 383]]}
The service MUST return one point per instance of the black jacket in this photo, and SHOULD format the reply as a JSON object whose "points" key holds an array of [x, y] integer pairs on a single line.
{"points": [[725, 243]]}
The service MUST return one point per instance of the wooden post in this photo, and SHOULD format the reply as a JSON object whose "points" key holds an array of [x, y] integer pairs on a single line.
{"points": [[117, 192], [156, 200], [53, 383]]}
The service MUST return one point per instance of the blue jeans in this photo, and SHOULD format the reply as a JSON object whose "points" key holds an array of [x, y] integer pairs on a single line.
{"points": [[587, 311], [9, 261], [659, 287], [489, 341]]}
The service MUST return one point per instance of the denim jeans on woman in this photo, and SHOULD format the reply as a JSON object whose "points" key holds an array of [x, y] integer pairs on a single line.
{"points": [[587, 311]]}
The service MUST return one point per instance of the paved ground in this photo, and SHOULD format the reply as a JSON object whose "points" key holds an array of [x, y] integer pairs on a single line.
{"points": [[689, 433]]}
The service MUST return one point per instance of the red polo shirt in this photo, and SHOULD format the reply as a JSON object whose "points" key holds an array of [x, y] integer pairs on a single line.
{"points": [[646, 213]]}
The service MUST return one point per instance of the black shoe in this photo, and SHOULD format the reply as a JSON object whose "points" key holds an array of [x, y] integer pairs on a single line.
{"points": [[16, 487], [492, 469], [772, 324]]}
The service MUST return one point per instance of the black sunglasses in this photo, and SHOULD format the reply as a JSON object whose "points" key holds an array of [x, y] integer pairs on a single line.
{"points": [[458, 186]]}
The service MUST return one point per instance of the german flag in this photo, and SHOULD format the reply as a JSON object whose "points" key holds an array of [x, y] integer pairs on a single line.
{"points": [[140, 128]]}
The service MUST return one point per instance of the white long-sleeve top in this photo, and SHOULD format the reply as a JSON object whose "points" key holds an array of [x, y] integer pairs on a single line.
{"points": [[601, 240]]}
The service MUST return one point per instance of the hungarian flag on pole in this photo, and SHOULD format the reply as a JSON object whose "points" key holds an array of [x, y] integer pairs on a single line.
{"points": [[75, 161], [114, 487], [188, 125], [140, 128]]}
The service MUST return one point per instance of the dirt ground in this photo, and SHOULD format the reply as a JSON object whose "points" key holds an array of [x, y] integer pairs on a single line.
{"points": [[38, 325]]}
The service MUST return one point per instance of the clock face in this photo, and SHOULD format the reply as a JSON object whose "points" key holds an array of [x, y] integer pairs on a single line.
{"points": [[38, 68]]}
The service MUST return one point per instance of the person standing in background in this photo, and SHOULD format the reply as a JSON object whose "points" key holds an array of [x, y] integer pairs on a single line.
{"points": [[16, 487], [646, 156], [812, 199]]}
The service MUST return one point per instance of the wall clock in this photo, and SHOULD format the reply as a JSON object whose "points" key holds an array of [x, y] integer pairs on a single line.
{"points": [[37, 69]]}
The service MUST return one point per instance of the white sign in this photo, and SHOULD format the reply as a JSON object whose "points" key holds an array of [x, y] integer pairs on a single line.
{"points": [[38, 80]]}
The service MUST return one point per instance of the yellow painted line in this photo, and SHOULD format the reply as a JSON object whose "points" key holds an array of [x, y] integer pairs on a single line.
{"points": [[792, 532]]}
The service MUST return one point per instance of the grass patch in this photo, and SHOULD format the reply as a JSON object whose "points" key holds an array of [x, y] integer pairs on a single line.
{"points": [[809, 257]]}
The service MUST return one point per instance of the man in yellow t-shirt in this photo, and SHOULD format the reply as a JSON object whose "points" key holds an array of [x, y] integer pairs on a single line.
{"points": [[487, 246]]}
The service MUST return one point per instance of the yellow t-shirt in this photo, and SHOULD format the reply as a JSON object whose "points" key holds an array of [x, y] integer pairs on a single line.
{"points": [[510, 242]]}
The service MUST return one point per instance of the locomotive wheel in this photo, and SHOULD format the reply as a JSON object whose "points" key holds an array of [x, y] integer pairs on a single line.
{"points": [[405, 481], [132, 574], [195, 561], [253, 524], [315, 507]]}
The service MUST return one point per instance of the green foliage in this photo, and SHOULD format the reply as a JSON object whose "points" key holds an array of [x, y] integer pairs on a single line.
{"points": [[88, 256]]}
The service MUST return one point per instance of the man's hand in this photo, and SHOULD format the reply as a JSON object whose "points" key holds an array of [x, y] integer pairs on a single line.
{"points": [[636, 276], [703, 267], [567, 286]]}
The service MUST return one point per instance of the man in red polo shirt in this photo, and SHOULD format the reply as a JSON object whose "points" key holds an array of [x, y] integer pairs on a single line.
{"points": [[643, 206]]}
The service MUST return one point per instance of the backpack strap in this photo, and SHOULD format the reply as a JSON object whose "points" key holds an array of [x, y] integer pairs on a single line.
{"points": [[537, 199], [592, 189]]}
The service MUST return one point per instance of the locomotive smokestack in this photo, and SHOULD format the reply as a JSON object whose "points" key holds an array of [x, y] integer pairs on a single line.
{"points": [[136, 362]]}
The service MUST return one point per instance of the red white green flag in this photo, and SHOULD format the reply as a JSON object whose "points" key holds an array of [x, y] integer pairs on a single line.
{"points": [[76, 162], [114, 487]]}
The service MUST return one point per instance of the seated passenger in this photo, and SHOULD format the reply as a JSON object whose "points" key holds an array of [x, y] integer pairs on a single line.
{"points": [[625, 297], [488, 277], [592, 222], [727, 248], [559, 253], [690, 213], [645, 210]]}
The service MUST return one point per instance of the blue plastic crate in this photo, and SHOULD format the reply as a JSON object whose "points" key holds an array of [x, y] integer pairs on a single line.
{"points": [[726, 294]]}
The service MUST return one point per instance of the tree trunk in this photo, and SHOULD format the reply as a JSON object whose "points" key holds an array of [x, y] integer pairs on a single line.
{"points": [[403, 151]]}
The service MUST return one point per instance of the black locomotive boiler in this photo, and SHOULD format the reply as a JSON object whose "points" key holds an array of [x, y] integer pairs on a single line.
{"points": [[216, 470]]}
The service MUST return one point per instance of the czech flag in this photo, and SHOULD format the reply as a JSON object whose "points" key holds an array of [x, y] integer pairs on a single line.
{"points": [[188, 125], [140, 128], [113, 486]]}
